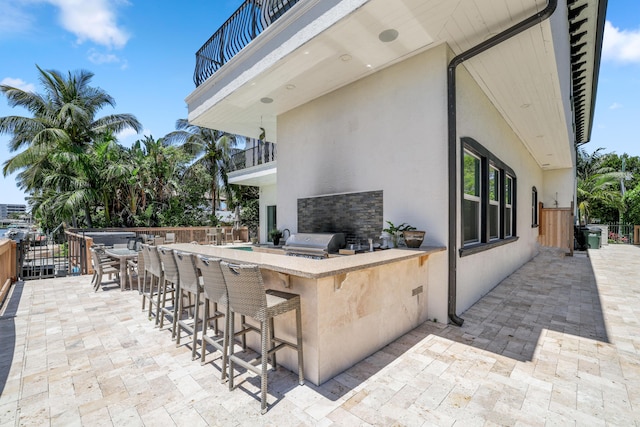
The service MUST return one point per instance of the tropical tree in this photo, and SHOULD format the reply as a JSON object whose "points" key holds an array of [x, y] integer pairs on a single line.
{"points": [[211, 149], [632, 205], [596, 184], [161, 171], [57, 142]]}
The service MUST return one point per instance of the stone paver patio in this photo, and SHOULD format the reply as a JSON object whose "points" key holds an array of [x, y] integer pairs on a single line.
{"points": [[556, 343]]}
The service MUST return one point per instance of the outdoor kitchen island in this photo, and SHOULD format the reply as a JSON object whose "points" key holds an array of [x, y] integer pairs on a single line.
{"points": [[351, 305]]}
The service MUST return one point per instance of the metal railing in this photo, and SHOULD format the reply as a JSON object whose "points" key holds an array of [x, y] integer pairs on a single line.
{"points": [[246, 23], [261, 153], [45, 257], [621, 233]]}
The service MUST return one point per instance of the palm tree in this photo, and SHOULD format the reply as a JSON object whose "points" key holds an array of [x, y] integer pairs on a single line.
{"points": [[60, 135], [211, 148], [596, 183]]}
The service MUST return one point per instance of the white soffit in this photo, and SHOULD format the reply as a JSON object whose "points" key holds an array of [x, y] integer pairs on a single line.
{"points": [[520, 76]]}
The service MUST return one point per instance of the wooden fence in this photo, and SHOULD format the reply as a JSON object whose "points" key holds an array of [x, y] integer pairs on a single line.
{"points": [[555, 228], [182, 234], [8, 264], [79, 245]]}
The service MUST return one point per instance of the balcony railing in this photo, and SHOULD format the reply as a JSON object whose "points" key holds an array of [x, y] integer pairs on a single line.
{"points": [[246, 23], [261, 153]]}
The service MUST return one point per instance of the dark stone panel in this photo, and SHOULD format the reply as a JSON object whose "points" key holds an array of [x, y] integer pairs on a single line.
{"points": [[358, 215]]}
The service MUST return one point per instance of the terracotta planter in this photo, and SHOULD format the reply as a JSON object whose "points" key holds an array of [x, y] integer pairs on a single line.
{"points": [[413, 238]]}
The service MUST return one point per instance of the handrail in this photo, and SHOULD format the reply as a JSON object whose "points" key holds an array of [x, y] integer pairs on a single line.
{"points": [[246, 23], [262, 153]]}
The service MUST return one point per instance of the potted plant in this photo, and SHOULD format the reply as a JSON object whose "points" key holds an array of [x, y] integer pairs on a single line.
{"points": [[413, 238], [275, 235]]}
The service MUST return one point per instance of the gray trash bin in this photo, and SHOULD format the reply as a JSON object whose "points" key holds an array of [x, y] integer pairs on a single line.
{"points": [[594, 238]]}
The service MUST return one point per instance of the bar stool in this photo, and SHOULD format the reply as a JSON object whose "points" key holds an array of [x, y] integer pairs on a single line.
{"points": [[248, 297], [142, 272], [168, 286], [215, 290], [189, 285], [153, 269]]}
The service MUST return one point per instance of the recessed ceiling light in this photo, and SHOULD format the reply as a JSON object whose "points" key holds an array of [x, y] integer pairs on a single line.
{"points": [[346, 57], [369, 66], [388, 35], [290, 86], [545, 164], [525, 106], [266, 100]]}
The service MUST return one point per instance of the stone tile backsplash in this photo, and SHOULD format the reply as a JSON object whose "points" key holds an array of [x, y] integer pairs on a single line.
{"points": [[358, 215]]}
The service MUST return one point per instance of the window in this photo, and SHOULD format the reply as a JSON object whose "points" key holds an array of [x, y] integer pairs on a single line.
{"points": [[534, 207], [508, 208], [471, 203], [494, 203], [488, 202]]}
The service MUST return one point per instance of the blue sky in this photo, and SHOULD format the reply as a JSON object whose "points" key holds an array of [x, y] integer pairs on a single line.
{"points": [[142, 53]]}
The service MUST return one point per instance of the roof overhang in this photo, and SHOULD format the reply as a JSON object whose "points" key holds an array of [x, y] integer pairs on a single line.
{"points": [[322, 45]]}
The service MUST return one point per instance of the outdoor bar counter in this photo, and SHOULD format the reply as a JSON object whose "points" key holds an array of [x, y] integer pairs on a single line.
{"points": [[351, 305]]}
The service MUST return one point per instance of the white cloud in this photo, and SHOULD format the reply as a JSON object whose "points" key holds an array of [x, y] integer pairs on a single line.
{"points": [[621, 45], [615, 106], [126, 133], [93, 20], [13, 19], [128, 136], [102, 58], [19, 83], [106, 58]]}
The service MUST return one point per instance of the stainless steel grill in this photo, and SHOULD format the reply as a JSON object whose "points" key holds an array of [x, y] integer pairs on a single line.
{"points": [[314, 245]]}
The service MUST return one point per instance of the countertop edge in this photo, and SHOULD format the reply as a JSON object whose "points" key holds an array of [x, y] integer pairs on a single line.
{"points": [[308, 268]]}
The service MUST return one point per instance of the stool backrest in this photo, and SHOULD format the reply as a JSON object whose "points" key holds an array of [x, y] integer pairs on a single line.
{"points": [[140, 263], [145, 257], [213, 283], [169, 266], [189, 280], [153, 266], [246, 289]]}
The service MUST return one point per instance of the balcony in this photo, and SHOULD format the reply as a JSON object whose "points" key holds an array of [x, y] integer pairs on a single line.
{"points": [[246, 23], [255, 165]]}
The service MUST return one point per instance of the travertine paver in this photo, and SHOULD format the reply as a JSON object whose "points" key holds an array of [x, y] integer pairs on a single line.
{"points": [[556, 343]]}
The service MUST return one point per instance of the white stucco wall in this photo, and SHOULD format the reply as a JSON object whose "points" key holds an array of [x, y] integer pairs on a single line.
{"points": [[389, 132], [385, 132], [479, 119], [558, 187]]}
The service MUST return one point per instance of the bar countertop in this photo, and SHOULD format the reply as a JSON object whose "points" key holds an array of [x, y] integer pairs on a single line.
{"points": [[309, 268]]}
